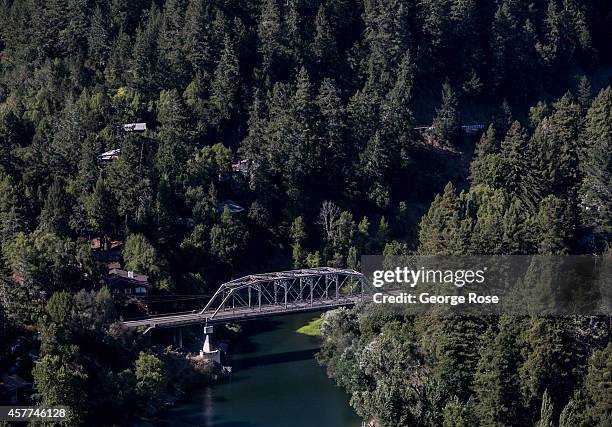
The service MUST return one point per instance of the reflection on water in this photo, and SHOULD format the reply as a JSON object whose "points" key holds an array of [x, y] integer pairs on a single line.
{"points": [[276, 383]]}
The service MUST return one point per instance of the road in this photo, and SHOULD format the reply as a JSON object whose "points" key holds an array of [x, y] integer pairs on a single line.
{"points": [[236, 315]]}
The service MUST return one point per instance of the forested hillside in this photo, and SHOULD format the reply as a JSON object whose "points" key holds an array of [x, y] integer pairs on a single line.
{"points": [[302, 112]]}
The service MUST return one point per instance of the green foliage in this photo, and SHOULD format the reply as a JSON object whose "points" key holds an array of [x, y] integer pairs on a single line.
{"points": [[457, 414], [298, 237], [150, 377], [496, 383], [313, 328], [546, 413], [140, 256], [228, 239], [61, 383], [225, 85], [313, 260], [101, 209], [446, 124], [597, 166], [597, 386]]}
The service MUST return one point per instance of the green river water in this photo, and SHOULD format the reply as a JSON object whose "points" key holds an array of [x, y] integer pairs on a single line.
{"points": [[276, 382]]}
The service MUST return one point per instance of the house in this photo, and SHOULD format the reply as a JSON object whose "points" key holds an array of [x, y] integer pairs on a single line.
{"points": [[472, 128], [231, 205], [135, 127], [241, 166], [127, 282], [109, 156], [15, 389]]}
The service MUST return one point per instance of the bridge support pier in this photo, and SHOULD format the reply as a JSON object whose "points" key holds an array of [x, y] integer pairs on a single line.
{"points": [[207, 351]]}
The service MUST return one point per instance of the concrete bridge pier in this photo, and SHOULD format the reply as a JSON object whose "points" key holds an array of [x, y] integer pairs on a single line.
{"points": [[207, 351]]}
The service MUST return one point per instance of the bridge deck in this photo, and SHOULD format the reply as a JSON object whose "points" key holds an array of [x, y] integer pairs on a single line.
{"points": [[238, 314]]}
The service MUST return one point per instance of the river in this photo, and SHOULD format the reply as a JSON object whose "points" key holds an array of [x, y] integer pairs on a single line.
{"points": [[276, 382]]}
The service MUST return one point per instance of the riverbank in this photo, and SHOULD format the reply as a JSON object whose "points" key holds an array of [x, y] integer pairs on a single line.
{"points": [[312, 328]]}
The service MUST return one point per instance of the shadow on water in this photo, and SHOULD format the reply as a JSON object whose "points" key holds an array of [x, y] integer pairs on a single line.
{"points": [[247, 345], [272, 359]]}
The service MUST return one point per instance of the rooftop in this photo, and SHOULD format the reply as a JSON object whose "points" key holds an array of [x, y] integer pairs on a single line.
{"points": [[117, 273]]}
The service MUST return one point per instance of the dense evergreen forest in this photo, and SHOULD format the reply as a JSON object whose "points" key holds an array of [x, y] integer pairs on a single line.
{"points": [[316, 101]]}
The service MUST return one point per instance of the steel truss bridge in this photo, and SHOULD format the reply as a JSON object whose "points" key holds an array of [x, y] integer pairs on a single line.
{"points": [[269, 294]]}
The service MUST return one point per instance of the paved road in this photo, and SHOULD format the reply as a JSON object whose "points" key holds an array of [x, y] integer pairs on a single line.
{"points": [[237, 315]]}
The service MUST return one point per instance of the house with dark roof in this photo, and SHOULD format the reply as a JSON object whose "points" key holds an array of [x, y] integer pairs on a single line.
{"points": [[127, 282]]}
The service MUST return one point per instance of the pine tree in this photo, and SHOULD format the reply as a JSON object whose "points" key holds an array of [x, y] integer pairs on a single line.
{"points": [[439, 228], [457, 414], [13, 218], [298, 237], [597, 385], [120, 62], [100, 206], [546, 412], [174, 135], [549, 365], [599, 118], [332, 128], [496, 383], [197, 38], [386, 36], [453, 349], [446, 123], [382, 233], [376, 161], [597, 191], [364, 116], [324, 49], [143, 66], [228, 238], [395, 111], [484, 230], [302, 149], [129, 185], [56, 212], [584, 92], [74, 37], [99, 38], [596, 197], [293, 30], [172, 66], [270, 40], [352, 259], [555, 143], [12, 134], [569, 416], [485, 146], [521, 179], [513, 46], [225, 85]]}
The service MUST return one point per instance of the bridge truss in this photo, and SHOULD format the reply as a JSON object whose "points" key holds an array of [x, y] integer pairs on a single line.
{"points": [[287, 291], [269, 294]]}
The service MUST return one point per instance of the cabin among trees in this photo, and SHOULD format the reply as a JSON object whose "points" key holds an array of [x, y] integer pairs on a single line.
{"points": [[127, 282]]}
